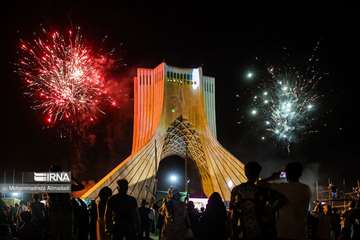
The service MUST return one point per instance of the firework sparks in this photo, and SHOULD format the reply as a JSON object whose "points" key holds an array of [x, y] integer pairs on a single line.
{"points": [[286, 107], [64, 77]]}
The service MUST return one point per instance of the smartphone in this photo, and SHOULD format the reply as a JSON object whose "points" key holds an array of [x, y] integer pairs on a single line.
{"points": [[283, 175]]}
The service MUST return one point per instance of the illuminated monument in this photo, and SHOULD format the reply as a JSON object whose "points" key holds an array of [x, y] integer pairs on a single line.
{"points": [[174, 114]]}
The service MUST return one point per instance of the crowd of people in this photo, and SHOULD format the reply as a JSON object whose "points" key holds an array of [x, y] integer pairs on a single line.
{"points": [[258, 209], [22, 220]]}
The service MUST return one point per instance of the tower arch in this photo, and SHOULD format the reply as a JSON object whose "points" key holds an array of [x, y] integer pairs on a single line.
{"points": [[174, 114]]}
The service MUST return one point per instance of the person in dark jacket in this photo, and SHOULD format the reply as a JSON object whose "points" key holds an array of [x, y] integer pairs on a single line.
{"points": [[122, 218], [145, 220], [214, 219], [93, 219], [27, 230]]}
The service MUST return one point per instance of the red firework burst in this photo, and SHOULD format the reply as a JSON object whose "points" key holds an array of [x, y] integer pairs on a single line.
{"points": [[64, 77]]}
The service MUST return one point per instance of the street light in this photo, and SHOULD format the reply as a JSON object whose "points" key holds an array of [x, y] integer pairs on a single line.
{"points": [[15, 194], [249, 75], [173, 178]]}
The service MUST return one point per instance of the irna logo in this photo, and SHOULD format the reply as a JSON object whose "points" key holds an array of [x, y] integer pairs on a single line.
{"points": [[51, 176]]}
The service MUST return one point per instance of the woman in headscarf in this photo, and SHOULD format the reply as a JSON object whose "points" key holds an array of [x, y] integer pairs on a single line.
{"points": [[104, 194], [213, 222], [176, 221]]}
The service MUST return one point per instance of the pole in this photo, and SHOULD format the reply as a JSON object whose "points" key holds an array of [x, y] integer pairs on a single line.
{"points": [[186, 173], [156, 172]]}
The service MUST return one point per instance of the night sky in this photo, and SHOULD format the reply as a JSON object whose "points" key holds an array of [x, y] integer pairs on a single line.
{"points": [[224, 40]]}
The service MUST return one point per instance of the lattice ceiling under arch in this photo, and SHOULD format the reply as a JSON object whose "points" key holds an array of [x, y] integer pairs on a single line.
{"points": [[183, 140]]}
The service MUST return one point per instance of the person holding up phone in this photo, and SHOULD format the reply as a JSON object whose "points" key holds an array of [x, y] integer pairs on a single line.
{"points": [[291, 223]]}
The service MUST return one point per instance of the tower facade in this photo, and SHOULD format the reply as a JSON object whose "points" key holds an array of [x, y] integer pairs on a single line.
{"points": [[174, 114]]}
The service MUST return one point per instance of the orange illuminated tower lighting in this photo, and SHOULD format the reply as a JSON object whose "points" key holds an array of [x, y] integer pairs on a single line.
{"points": [[174, 114]]}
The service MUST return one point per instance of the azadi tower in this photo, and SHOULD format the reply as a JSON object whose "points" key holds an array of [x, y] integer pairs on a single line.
{"points": [[174, 114]]}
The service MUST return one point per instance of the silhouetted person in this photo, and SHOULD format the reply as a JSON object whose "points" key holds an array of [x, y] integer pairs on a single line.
{"points": [[312, 222], [27, 230], [324, 223], [202, 210], [253, 207], [335, 223], [194, 217], [60, 213], [5, 232], [37, 209], [38, 214], [213, 221], [121, 216], [291, 222], [145, 220], [22, 208], [80, 219], [176, 221], [14, 213], [104, 194], [153, 217], [160, 221], [93, 220], [351, 228]]}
